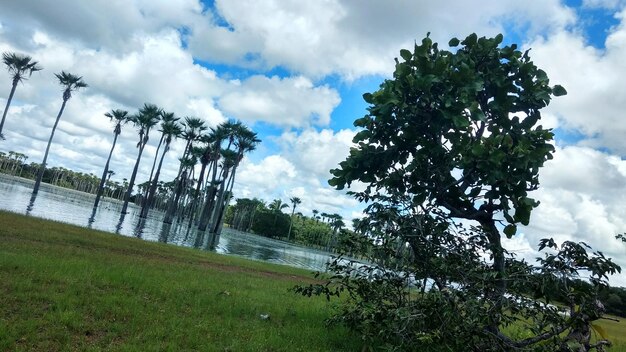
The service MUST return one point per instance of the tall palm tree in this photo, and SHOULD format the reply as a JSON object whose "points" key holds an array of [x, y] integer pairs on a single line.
{"points": [[70, 83], [193, 129], [148, 116], [119, 117], [169, 130], [294, 202], [18, 65], [165, 118], [245, 141]]}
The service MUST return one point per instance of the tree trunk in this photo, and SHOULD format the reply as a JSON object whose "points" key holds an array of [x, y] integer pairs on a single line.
{"points": [[42, 169], [171, 207], [131, 183], [6, 108], [147, 193], [153, 186], [207, 211], [104, 175]]}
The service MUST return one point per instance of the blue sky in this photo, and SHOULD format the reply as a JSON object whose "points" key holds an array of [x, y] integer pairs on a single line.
{"points": [[295, 72]]}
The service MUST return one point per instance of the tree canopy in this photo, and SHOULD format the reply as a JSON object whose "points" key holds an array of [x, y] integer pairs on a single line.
{"points": [[448, 152]]}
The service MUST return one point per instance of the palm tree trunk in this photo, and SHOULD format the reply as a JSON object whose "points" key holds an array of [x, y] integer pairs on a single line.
{"points": [[219, 221], [217, 207], [42, 169], [194, 200], [104, 175], [6, 108], [291, 222], [131, 183], [171, 207], [207, 210], [153, 186], [156, 155]]}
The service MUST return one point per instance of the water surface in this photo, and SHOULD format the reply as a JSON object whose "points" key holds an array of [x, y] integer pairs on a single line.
{"points": [[73, 207]]}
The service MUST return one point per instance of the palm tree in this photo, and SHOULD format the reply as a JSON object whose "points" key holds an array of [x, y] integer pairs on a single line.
{"points": [[119, 117], [193, 128], [169, 130], [70, 83], [277, 205], [245, 141], [147, 117], [18, 65], [165, 118], [294, 202]]}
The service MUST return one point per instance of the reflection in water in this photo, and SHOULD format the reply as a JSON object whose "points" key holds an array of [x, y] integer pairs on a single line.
{"points": [[92, 218], [31, 203], [76, 208], [138, 232], [165, 232]]}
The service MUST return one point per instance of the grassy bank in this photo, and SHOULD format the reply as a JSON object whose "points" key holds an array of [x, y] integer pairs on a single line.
{"points": [[68, 288]]}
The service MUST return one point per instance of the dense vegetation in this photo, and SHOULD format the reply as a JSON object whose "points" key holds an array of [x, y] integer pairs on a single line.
{"points": [[448, 153], [322, 230]]}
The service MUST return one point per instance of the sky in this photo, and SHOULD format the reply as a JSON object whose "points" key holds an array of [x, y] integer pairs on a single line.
{"points": [[295, 72]]}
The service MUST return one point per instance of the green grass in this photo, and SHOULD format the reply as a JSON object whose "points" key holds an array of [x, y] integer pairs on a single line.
{"points": [[66, 288]]}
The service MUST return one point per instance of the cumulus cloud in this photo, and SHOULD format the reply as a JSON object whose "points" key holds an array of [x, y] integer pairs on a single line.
{"points": [[351, 38], [582, 200], [301, 169], [291, 101], [594, 78]]}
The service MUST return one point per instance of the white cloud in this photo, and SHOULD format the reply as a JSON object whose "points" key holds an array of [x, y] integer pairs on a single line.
{"points": [[582, 199], [316, 153], [593, 78], [352, 38], [292, 101], [301, 168]]}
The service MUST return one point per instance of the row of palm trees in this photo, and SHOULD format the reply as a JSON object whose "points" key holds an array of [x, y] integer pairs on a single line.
{"points": [[21, 66], [219, 150]]}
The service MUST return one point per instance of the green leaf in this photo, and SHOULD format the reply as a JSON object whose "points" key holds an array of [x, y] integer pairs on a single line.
{"points": [[406, 55], [460, 121], [470, 40], [453, 42], [369, 98], [475, 192], [510, 230], [558, 90], [499, 38]]}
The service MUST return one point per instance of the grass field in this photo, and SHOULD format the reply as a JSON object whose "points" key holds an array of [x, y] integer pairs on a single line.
{"points": [[67, 288]]}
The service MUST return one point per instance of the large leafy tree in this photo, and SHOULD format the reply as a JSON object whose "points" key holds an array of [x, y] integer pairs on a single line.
{"points": [[70, 83], [448, 153], [118, 117], [147, 117], [19, 66]]}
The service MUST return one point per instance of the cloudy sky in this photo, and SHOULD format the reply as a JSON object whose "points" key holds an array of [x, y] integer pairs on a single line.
{"points": [[295, 71]]}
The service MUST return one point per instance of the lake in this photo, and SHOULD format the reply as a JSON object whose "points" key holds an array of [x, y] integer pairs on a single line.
{"points": [[73, 207]]}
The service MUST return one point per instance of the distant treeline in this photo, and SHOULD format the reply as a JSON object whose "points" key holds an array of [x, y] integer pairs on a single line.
{"points": [[321, 230]]}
